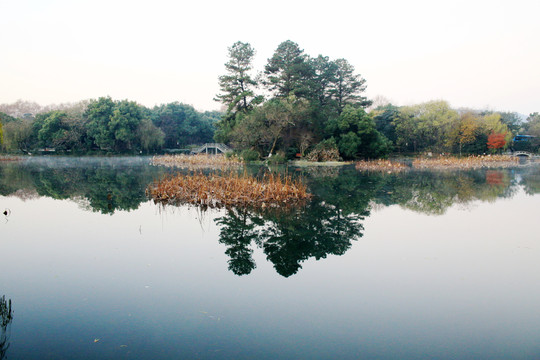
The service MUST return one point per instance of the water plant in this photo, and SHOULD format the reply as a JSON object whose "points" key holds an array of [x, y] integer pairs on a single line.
{"points": [[10, 158], [229, 189], [6, 317], [441, 163], [381, 165], [199, 161], [470, 162]]}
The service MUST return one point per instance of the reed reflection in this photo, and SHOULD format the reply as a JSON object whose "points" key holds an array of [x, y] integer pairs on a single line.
{"points": [[6, 317]]}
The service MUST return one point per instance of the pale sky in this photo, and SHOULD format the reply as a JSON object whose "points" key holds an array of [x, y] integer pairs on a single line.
{"points": [[481, 54]]}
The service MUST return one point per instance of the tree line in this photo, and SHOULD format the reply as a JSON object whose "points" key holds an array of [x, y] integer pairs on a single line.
{"points": [[297, 106], [435, 127], [301, 105], [104, 125]]}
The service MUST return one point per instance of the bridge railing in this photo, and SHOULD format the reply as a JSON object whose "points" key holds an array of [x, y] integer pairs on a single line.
{"points": [[221, 147]]}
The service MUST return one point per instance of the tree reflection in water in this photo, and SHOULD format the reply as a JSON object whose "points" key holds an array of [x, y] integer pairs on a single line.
{"points": [[342, 198], [98, 184], [6, 316], [326, 226], [287, 237]]}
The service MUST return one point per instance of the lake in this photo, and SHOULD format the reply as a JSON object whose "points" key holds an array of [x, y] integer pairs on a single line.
{"points": [[417, 265]]}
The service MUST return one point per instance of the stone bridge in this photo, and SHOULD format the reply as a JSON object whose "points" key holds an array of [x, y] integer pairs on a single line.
{"points": [[522, 153], [208, 147]]}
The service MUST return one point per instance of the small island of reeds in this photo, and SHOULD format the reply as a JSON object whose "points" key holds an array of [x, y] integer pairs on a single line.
{"points": [[229, 189], [199, 161], [441, 163]]}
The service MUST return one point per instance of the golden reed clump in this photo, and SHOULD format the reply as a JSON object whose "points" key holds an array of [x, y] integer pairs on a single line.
{"points": [[380, 165], [441, 163], [199, 161], [10, 158], [229, 189], [471, 162]]}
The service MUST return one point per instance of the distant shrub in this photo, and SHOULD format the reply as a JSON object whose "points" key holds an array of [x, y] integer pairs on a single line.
{"points": [[278, 158], [292, 153], [249, 155]]}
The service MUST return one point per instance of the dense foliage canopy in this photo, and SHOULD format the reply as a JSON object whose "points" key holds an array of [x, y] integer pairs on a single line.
{"points": [[305, 97], [108, 125]]}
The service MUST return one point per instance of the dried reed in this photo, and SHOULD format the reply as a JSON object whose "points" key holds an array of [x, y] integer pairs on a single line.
{"points": [[441, 163], [229, 189], [471, 162], [10, 158], [199, 161], [381, 165]]}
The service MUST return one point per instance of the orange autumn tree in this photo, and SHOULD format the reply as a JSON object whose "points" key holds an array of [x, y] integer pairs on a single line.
{"points": [[496, 141]]}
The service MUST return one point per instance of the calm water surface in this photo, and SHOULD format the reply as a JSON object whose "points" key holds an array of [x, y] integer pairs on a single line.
{"points": [[422, 265]]}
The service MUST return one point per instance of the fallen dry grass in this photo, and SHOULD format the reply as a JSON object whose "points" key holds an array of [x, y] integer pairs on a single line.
{"points": [[199, 161], [10, 158], [380, 165], [441, 163], [471, 162], [229, 189]]}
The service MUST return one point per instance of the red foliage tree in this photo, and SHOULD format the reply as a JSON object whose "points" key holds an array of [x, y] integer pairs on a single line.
{"points": [[496, 141]]}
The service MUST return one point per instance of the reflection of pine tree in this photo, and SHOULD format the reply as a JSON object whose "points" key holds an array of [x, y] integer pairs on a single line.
{"points": [[287, 237], [6, 316], [317, 231], [239, 230]]}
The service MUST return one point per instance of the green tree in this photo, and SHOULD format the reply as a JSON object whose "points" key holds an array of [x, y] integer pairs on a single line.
{"points": [[99, 113], [512, 120], [113, 125], [348, 86], [532, 126], [250, 132], [265, 127], [5, 118], [324, 74], [17, 135], [464, 131], [237, 85], [384, 117], [123, 124], [150, 136], [52, 129], [425, 126], [288, 71], [357, 136], [183, 125], [323, 104]]}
